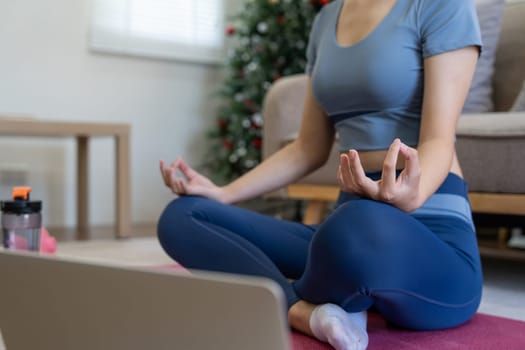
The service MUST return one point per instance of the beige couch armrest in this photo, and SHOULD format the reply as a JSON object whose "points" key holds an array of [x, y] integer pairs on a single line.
{"points": [[504, 124], [283, 110]]}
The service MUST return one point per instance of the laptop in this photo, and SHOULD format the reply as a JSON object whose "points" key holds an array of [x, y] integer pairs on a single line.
{"points": [[62, 304]]}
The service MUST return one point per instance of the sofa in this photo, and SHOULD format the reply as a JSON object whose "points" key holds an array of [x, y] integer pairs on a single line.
{"points": [[490, 145]]}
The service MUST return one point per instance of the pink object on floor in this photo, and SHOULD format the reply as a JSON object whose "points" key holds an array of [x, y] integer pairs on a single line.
{"points": [[173, 267], [483, 332], [48, 243]]}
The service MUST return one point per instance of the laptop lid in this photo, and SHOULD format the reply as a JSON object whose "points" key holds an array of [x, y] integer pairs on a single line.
{"points": [[49, 303]]}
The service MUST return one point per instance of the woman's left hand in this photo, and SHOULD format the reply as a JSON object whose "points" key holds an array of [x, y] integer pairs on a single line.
{"points": [[400, 191]]}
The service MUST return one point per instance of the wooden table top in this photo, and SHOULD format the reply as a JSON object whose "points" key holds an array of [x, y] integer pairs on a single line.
{"points": [[41, 127]]}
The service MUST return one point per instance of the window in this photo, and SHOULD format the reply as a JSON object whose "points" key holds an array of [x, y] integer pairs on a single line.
{"points": [[179, 29]]}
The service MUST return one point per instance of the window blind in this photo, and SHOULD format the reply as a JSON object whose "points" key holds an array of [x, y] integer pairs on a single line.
{"points": [[179, 29]]}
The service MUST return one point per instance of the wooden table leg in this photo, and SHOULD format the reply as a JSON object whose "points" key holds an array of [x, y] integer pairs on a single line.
{"points": [[82, 187], [314, 212], [122, 197]]}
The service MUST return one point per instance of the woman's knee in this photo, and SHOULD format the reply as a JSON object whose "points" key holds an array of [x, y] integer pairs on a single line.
{"points": [[176, 218], [186, 206], [354, 238], [358, 222]]}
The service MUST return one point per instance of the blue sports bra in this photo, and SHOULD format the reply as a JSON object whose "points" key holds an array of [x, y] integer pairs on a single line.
{"points": [[373, 90]]}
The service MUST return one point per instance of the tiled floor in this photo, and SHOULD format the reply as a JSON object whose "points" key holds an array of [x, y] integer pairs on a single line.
{"points": [[504, 288]]}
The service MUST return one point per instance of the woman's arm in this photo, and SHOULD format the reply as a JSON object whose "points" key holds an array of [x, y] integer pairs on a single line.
{"points": [[307, 153], [446, 82], [448, 77]]}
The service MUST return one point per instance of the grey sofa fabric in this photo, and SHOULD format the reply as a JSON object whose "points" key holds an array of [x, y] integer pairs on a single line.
{"points": [[491, 150], [479, 98], [491, 164]]}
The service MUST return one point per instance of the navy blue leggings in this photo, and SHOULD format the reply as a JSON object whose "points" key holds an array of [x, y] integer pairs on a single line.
{"points": [[420, 270]]}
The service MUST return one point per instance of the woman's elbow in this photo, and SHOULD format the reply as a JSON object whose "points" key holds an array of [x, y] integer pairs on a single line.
{"points": [[316, 156]]}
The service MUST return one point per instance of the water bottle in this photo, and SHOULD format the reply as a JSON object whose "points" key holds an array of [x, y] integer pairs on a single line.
{"points": [[21, 221]]}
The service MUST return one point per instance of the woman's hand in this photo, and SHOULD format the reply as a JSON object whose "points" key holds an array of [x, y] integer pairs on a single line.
{"points": [[401, 191], [192, 182]]}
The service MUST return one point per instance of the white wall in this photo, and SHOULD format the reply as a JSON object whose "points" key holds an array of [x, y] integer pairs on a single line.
{"points": [[47, 71]]}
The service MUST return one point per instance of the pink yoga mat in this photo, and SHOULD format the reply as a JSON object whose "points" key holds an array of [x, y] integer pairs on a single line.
{"points": [[483, 332]]}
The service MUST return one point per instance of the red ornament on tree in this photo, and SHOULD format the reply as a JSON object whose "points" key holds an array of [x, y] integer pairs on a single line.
{"points": [[228, 144], [222, 123], [249, 104], [281, 20], [317, 4], [257, 142], [230, 30]]}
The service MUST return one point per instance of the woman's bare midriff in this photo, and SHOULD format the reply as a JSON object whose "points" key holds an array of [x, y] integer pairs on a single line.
{"points": [[373, 161]]}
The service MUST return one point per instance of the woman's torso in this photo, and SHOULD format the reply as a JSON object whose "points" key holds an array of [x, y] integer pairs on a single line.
{"points": [[356, 22]]}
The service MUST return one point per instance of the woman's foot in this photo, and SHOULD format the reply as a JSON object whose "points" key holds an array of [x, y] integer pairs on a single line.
{"points": [[330, 323], [299, 317]]}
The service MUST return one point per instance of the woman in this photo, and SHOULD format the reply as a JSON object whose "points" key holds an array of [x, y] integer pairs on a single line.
{"points": [[391, 77]]}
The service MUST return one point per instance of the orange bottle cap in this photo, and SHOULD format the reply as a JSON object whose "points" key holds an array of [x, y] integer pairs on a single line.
{"points": [[21, 192]]}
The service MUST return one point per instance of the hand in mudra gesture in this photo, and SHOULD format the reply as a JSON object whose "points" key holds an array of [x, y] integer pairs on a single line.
{"points": [[190, 183], [400, 191]]}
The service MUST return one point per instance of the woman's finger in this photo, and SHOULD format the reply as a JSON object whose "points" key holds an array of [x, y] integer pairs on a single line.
{"points": [[173, 169], [412, 168], [362, 182], [346, 175], [174, 181], [343, 184], [181, 185], [340, 178], [186, 170], [388, 177], [176, 163], [164, 173]]}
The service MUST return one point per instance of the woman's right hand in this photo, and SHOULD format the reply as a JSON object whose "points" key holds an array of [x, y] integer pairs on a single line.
{"points": [[192, 182]]}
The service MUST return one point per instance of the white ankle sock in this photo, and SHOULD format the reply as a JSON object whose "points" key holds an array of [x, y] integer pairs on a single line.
{"points": [[343, 330]]}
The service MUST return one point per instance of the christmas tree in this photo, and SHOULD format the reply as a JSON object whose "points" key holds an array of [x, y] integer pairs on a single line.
{"points": [[271, 37]]}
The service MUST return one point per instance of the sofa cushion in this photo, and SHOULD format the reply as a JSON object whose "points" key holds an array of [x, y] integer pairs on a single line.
{"points": [[479, 99], [502, 124]]}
